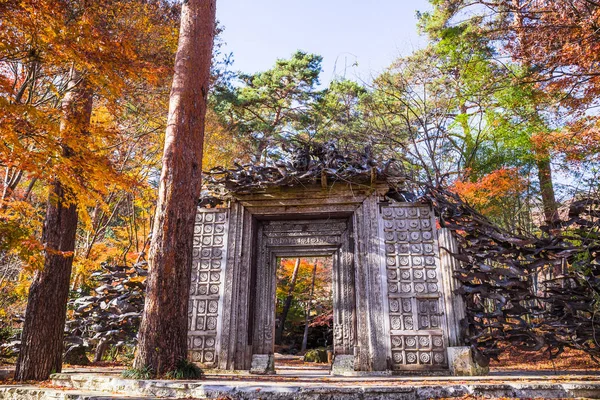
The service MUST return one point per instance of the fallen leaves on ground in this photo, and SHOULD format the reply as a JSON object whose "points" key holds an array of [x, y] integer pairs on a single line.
{"points": [[571, 359]]}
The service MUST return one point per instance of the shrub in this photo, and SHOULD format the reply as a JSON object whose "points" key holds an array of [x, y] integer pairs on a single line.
{"points": [[185, 370], [316, 355], [138, 373]]}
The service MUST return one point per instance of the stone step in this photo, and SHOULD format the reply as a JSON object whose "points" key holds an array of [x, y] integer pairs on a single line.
{"points": [[25, 392], [116, 384], [250, 388]]}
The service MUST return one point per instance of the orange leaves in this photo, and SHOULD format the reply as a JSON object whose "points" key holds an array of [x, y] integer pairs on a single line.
{"points": [[560, 39], [304, 280], [577, 143], [488, 193], [122, 51], [100, 37]]}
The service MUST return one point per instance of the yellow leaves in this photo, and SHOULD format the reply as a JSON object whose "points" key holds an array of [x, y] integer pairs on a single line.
{"points": [[101, 252], [102, 117], [21, 287], [138, 279], [220, 148], [20, 227]]}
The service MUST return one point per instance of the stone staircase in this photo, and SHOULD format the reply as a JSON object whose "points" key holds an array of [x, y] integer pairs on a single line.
{"points": [[94, 386]]}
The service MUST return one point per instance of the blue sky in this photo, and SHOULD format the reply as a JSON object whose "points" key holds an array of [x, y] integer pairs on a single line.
{"points": [[357, 39]]}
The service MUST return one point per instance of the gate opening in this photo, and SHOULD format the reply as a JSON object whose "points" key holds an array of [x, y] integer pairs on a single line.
{"points": [[303, 315]]}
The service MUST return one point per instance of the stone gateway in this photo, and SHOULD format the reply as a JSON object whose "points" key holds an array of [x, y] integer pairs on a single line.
{"points": [[394, 307]]}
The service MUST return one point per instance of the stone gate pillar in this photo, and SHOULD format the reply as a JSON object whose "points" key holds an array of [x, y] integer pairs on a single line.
{"points": [[205, 307], [416, 320], [455, 306], [370, 352]]}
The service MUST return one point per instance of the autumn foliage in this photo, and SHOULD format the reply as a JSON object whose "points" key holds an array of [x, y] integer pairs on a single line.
{"points": [[40, 42], [578, 144], [561, 39], [318, 302], [490, 193]]}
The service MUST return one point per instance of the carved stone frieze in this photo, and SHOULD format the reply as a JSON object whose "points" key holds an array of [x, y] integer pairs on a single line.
{"points": [[319, 227], [302, 240]]}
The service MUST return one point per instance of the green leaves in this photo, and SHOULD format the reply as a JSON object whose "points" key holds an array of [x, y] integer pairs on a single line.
{"points": [[268, 106]]}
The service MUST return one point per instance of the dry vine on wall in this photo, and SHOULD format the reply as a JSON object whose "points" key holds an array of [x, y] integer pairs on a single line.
{"points": [[299, 165], [533, 293]]}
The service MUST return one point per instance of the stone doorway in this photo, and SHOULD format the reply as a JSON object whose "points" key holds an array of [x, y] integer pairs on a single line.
{"points": [[394, 304], [302, 238]]}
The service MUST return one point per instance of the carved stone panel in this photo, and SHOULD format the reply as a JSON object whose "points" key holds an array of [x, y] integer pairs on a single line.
{"points": [[209, 253], [264, 319], [415, 304], [344, 315]]}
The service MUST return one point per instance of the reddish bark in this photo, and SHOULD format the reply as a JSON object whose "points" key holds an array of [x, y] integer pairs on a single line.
{"points": [[43, 330], [163, 332]]}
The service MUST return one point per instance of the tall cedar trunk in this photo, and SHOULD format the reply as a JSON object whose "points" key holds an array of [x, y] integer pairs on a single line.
{"points": [[43, 330], [288, 303], [163, 331], [547, 190], [306, 317]]}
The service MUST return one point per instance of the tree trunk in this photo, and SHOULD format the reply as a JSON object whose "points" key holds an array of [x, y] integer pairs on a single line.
{"points": [[163, 331], [547, 190], [43, 330], [543, 160], [288, 303], [312, 291]]}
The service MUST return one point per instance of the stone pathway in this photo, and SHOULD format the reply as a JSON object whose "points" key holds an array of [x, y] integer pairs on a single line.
{"points": [[104, 384]]}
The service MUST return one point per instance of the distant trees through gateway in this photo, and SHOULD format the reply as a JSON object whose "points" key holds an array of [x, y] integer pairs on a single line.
{"points": [[304, 305]]}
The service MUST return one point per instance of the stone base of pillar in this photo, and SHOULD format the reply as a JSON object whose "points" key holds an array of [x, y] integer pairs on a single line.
{"points": [[343, 365], [262, 364], [461, 363]]}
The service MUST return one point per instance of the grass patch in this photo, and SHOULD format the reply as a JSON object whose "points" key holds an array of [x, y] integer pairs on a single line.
{"points": [[185, 370], [138, 373]]}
